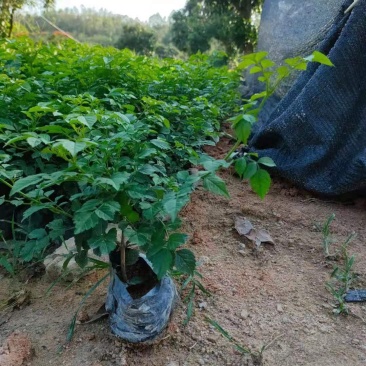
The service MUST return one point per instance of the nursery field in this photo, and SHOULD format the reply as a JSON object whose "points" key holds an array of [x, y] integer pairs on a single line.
{"points": [[133, 155], [279, 293]]}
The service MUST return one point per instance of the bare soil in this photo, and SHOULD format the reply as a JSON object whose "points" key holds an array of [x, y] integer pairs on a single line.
{"points": [[275, 296]]}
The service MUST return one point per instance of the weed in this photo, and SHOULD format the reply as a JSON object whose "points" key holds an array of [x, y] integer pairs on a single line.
{"points": [[256, 356], [192, 283], [343, 274], [327, 237]]}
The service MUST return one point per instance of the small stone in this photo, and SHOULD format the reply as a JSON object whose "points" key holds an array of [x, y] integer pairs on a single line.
{"points": [[202, 305], [83, 316], [356, 342], [242, 246], [242, 252], [201, 361], [279, 308], [173, 363], [203, 260], [16, 350], [212, 339], [244, 314], [90, 336]]}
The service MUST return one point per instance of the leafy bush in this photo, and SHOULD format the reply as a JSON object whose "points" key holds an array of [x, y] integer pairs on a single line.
{"points": [[92, 136]]}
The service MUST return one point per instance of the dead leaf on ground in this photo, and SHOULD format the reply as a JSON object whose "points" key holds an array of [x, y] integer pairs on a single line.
{"points": [[17, 300], [258, 236]]}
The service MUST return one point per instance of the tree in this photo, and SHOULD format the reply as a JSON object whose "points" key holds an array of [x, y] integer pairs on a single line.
{"points": [[228, 21], [137, 38], [8, 9]]}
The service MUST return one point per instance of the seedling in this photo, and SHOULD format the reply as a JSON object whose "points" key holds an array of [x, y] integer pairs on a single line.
{"points": [[342, 278], [327, 237], [248, 165]]}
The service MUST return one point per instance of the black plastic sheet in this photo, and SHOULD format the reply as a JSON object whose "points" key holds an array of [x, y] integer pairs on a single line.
{"points": [[143, 319]]}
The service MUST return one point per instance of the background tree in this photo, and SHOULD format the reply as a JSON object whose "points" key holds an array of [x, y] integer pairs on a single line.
{"points": [[8, 9], [228, 21], [138, 38]]}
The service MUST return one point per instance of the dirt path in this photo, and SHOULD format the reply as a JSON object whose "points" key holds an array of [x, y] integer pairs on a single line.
{"points": [[278, 294]]}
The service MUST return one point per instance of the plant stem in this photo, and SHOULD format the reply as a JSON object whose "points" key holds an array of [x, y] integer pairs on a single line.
{"points": [[237, 144], [122, 250]]}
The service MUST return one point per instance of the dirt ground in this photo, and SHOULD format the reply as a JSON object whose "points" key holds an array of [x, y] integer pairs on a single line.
{"points": [[275, 297]]}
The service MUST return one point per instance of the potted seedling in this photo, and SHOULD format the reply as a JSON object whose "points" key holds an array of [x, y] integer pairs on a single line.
{"points": [[114, 194]]}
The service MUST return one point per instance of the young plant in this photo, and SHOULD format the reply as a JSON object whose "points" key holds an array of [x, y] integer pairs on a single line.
{"points": [[107, 143], [256, 356], [231, 339], [246, 163], [342, 278], [327, 237]]}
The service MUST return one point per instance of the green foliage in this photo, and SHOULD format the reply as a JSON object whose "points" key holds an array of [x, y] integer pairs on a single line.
{"points": [[91, 136]]}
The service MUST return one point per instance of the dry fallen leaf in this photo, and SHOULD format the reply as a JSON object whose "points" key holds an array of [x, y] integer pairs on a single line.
{"points": [[244, 227]]}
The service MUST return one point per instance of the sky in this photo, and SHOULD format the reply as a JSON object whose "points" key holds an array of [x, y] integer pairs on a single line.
{"points": [[141, 9]]}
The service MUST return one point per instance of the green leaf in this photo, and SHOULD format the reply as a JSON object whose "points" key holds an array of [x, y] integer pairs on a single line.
{"points": [[161, 261], [6, 264], [176, 240], [266, 64], [107, 210], [213, 165], [104, 243], [132, 256], [33, 141], [22, 183], [146, 153], [242, 131], [88, 120], [185, 262], [283, 71], [162, 144], [250, 170], [135, 237], [240, 166], [31, 210], [259, 56], [108, 181], [171, 206], [215, 185], [317, 56], [37, 234], [90, 205], [267, 162], [120, 178], [81, 258], [132, 217], [33, 248], [260, 182], [297, 63], [84, 221], [255, 70], [148, 169], [57, 229], [72, 147]]}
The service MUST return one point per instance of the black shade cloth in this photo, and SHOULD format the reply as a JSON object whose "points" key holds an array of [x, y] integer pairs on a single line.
{"points": [[317, 133]]}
